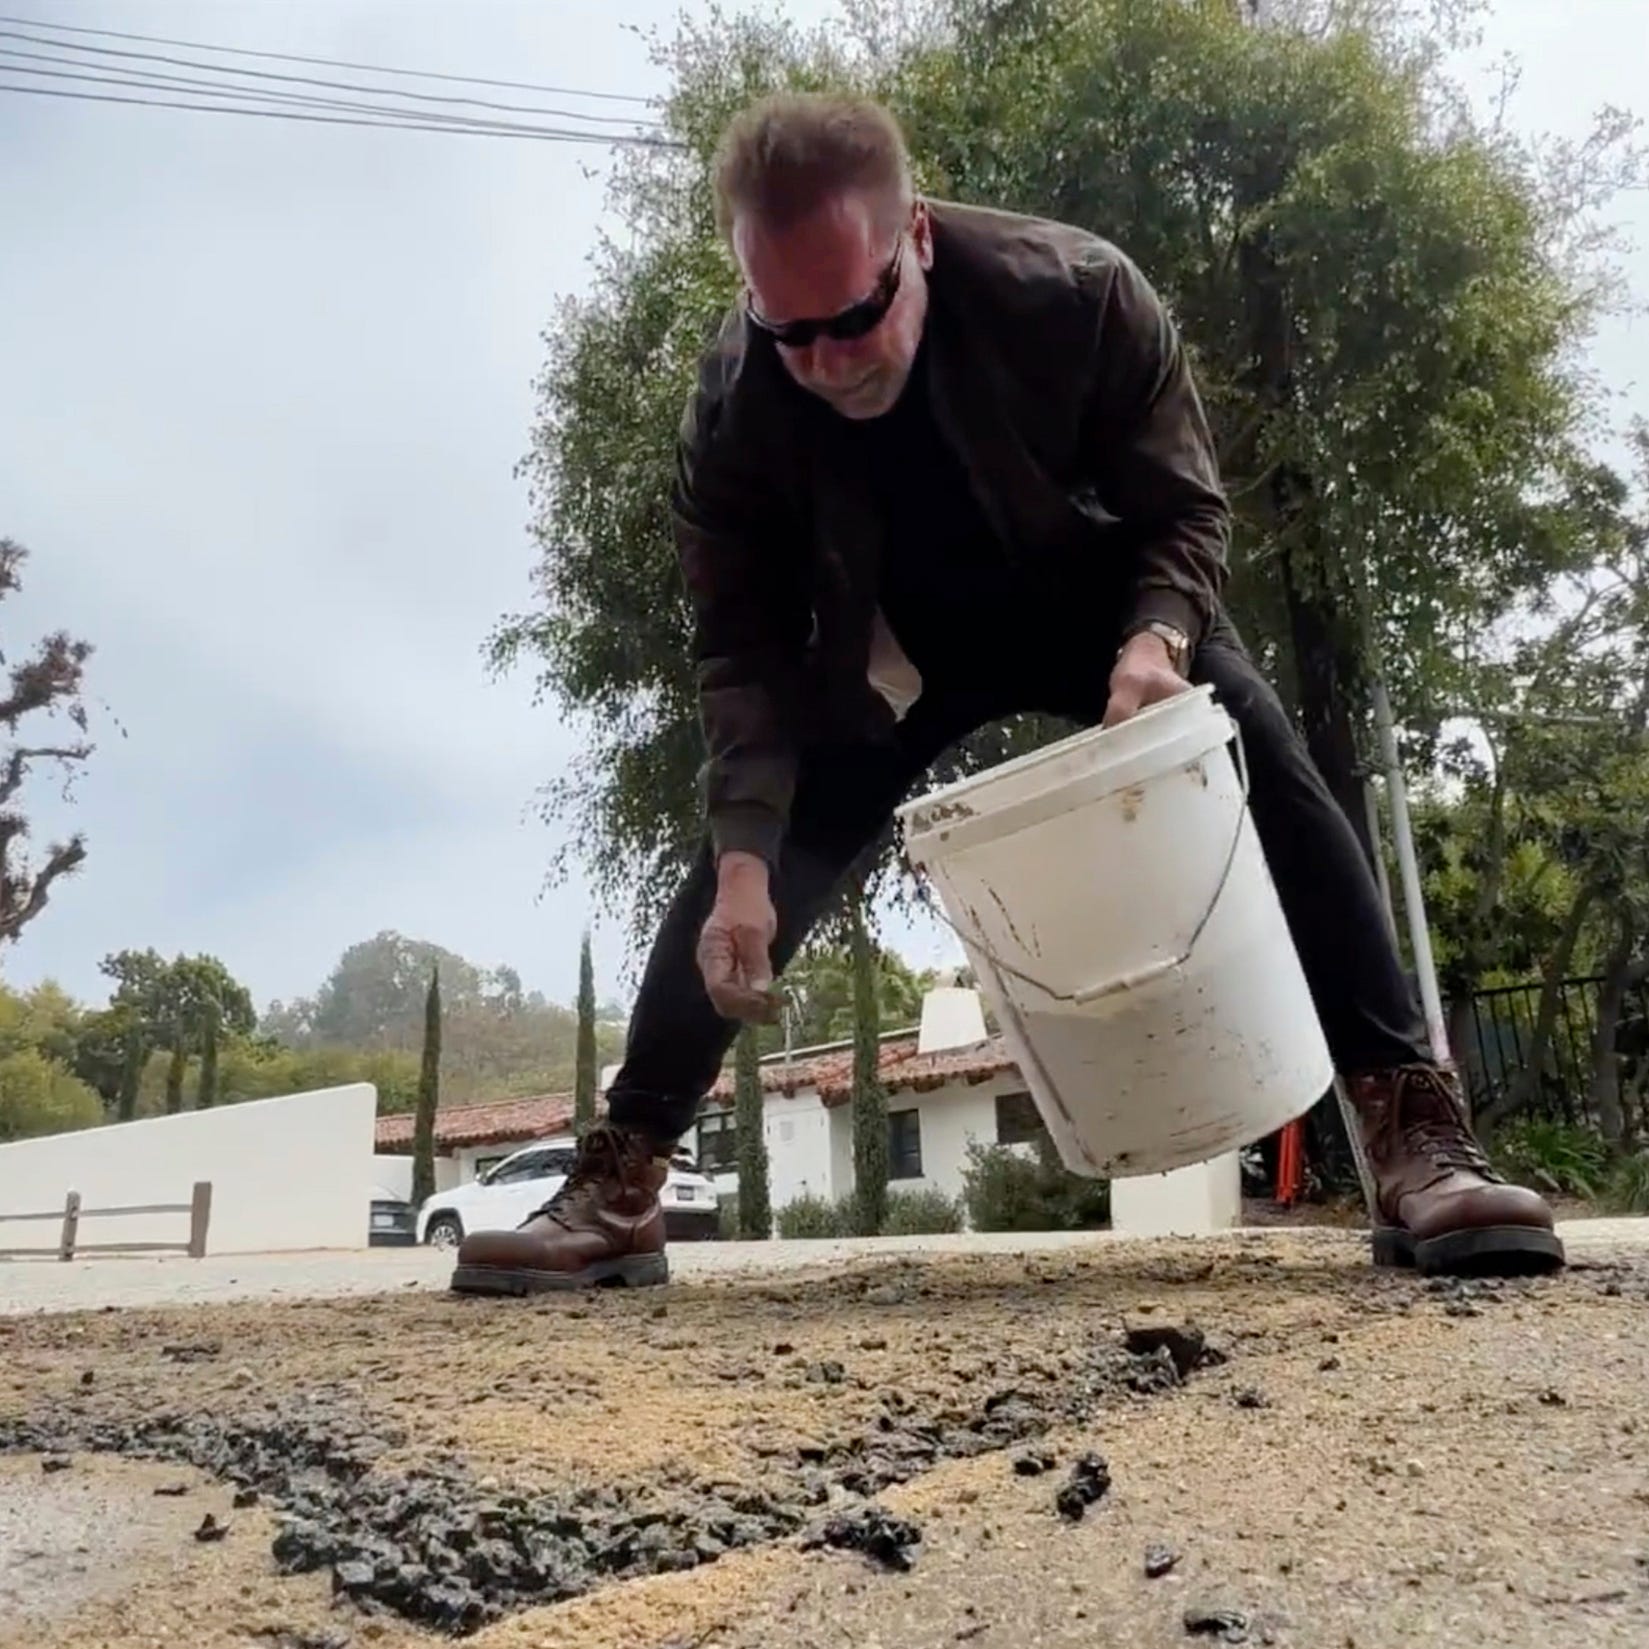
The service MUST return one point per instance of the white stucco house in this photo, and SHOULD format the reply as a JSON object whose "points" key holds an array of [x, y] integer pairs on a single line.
{"points": [[470, 1138], [948, 1083]]}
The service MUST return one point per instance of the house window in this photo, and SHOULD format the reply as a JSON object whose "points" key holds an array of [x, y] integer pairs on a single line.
{"points": [[718, 1143], [1018, 1122], [904, 1144]]}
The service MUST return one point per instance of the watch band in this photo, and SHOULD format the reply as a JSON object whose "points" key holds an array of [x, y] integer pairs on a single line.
{"points": [[1174, 639]]}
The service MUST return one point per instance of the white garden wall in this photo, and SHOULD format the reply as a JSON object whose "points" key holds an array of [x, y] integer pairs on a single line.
{"points": [[394, 1173], [288, 1173]]}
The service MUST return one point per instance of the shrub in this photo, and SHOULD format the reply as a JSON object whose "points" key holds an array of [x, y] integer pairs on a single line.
{"points": [[811, 1216], [727, 1213], [1002, 1191], [921, 1214], [1554, 1156], [38, 1096], [1006, 1190], [1628, 1189]]}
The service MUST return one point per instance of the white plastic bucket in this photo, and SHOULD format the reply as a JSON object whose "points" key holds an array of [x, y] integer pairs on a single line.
{"points": [[1114, 902]]}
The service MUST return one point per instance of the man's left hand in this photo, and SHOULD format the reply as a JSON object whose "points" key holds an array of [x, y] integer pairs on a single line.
{"points": [[1144, 674]]}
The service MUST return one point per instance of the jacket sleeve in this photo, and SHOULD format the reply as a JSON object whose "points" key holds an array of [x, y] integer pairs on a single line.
{"points": [[750, 622], [1156, 467]]}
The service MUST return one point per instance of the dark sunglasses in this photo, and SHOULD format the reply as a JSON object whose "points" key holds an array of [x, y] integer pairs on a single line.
{"points": [[856, 321]]}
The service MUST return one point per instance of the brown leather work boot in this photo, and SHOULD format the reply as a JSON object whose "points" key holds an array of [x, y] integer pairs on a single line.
{"points": [[603, 1227], [1435, 1201]]}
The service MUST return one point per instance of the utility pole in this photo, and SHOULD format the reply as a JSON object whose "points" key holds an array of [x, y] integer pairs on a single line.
{"points": [[1376, 836], [1408, 869]]}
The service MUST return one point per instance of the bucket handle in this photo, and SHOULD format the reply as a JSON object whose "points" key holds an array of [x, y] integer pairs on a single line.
{"points": [[1155, 970]]}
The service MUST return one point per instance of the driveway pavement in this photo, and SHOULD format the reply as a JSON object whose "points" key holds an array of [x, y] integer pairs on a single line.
{"points": [[95, 1283], [1371, 1461]]}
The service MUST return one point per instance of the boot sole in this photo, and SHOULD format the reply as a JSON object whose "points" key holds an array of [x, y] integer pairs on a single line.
{"points": [[1494, 1251], [630, 1271]]}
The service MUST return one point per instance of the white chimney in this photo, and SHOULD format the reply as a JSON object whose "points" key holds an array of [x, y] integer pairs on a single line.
{"points": [[952, 1017]]}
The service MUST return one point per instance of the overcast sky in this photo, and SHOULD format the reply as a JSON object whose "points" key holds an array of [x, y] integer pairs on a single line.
{"points": [[262, 388]]}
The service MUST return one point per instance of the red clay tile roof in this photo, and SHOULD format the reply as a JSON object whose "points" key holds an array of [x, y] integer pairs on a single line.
{"points": [[902, 1069], [499, 1122]]}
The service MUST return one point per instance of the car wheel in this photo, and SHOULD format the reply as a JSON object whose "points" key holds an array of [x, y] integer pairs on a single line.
{"points": [[444, 1231]]}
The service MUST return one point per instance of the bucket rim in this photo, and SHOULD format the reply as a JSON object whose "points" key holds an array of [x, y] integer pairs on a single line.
{"points": [[1132, 746]]}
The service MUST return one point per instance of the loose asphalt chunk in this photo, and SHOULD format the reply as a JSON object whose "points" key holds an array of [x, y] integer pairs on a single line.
{"points": [[1224, 1625], [1160, 1560], [889, 1542], [1089, 1483], [1185, 1344]]}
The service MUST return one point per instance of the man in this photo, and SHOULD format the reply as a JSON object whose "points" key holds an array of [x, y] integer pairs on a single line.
{"points": [[944, 465]]}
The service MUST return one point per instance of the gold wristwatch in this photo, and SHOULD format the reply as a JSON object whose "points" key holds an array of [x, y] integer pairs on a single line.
{"points": [[1174, 639]]}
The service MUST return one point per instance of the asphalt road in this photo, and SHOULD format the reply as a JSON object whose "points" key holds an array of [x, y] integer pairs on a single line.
{"points": [[1376, 1463]]}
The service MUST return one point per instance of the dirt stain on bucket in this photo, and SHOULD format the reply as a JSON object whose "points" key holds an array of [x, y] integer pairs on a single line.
{"points": [[1132, 799]]}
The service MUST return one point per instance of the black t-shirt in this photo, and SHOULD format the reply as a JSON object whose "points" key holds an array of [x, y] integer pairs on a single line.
{"points": [[951, 593]]}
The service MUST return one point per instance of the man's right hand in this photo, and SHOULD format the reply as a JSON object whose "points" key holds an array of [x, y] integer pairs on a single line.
{"points": [[734, 946]]}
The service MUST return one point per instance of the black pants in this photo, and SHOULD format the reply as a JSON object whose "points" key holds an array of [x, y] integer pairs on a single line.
{"points": [[846, 795]]}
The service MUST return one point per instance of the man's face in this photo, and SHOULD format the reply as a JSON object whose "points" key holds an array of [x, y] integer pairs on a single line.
{"points": [[840, 263]]}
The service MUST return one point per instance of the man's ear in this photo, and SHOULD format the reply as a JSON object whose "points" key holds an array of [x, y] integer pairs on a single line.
{"points": [[921, 233]]}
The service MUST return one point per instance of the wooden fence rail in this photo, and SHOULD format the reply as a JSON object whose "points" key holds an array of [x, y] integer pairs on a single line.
{"points": [[198, 1208]]}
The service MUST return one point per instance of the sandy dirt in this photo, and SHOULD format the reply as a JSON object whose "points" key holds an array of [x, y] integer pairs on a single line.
{"points": [[1377, 1463]]}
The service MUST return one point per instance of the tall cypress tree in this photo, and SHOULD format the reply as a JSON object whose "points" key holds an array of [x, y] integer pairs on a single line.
{"points": [[131, 1072], [755, 1201], [206, 1095], [429, 1095], [870, 1126], [584, 1071], [175, 1071]]}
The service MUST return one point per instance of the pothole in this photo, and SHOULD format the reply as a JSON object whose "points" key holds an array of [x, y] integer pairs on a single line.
{"points": [[439, 1547]]}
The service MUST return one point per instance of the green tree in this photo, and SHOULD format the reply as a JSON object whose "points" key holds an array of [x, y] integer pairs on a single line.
{"points": [[41, 687], [1539, 862], [429, 1097], [818, 988], [175, 1068], [175, 1006], [870, 1118], [134, 1056], [375, 995], [39, 1096], [99, 1050], [755, 1207], [498, 1039], [206, 1094], [45, 1018], [586, 1075], [1382, 297]]}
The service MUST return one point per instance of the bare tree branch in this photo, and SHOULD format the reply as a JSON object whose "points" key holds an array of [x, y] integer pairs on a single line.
{"points": [[17, 764], [17, 908], [48, 683]]}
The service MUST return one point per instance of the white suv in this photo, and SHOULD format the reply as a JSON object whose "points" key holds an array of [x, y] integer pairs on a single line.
{"points": [[507, 1195]]}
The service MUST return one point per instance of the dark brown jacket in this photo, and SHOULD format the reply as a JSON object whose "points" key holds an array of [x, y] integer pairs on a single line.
{"points": [[1061, 382]]}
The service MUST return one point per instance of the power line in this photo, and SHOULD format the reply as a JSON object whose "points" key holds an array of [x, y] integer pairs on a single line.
{"points": [[326, 62], [190, 86], [310, 80], [488, 129]]}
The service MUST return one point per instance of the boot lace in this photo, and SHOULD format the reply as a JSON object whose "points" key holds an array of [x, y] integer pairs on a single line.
{"points": [[603, 1157], [1426, 1115]]}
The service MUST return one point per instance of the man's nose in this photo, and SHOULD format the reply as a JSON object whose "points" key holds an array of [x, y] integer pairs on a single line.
{"points": [[829, 361]]}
